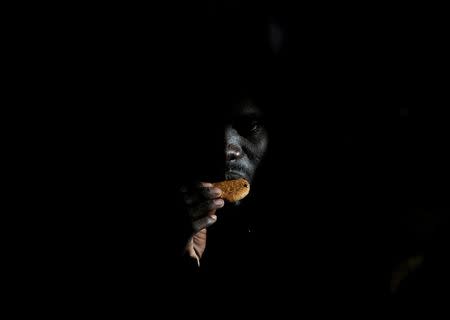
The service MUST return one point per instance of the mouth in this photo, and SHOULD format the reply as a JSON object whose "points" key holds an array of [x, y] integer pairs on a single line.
{"points": [[231, 174]]}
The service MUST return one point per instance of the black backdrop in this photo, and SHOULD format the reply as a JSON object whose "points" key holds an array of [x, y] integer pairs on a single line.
{"points": [[360, 116]]}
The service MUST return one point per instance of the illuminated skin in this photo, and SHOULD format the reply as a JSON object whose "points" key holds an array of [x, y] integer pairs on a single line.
{"points": [[246, 140]]}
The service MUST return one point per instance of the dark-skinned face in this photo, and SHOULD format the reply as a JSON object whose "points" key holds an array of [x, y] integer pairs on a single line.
{"points": [[245, 140], [225, 140]]}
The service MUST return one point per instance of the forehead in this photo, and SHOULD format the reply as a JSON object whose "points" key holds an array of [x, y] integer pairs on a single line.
{"points": [[245, 107]]}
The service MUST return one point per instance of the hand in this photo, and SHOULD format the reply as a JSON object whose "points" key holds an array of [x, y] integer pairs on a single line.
{"points": [[202, 200]]}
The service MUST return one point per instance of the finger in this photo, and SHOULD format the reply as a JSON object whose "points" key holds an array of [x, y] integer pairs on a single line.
{"points": [[202, 194], [206, 184], [205, 207], [204, 222]]}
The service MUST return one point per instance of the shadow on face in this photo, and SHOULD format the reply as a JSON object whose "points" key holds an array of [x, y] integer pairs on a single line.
{"points": [[245, 140], [225, 141]]}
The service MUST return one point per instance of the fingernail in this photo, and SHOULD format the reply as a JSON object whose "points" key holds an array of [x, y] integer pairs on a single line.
{"points": [[206, 184], [219, 202]]}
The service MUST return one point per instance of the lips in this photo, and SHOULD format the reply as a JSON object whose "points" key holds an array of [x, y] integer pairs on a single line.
{"points": [[232, 174]]}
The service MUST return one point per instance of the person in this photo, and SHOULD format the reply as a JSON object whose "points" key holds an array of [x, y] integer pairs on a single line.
{"points": [[245, 144], [219, 246], [237, 146]]}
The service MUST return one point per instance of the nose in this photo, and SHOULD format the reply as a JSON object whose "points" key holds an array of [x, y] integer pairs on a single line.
{"points": [[233, 152]]}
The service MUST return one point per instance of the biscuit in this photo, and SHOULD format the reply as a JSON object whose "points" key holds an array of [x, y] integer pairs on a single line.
{"points": [[233, 190]]}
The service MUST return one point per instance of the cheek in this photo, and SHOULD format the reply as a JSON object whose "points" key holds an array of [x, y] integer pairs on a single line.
{"points": [[261, 145], [257, 150]]}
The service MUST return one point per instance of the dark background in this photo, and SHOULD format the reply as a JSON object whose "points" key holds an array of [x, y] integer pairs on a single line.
{"points": [[360, 116]]}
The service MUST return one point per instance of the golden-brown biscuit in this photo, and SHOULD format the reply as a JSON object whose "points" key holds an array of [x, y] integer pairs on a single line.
{"points": [[233, 190]]}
